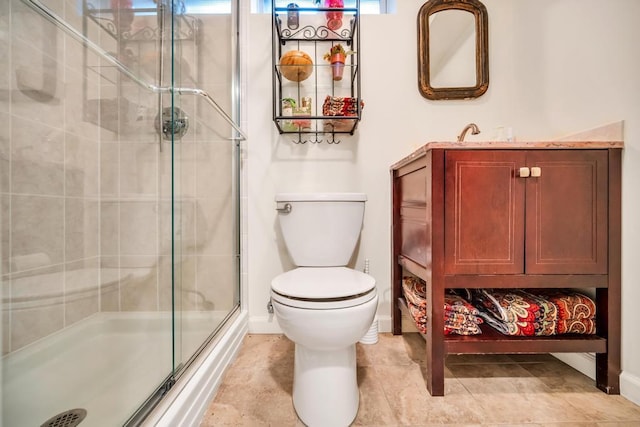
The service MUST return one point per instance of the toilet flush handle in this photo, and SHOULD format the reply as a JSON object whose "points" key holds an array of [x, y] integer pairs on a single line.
{"points": [[283, 208]]}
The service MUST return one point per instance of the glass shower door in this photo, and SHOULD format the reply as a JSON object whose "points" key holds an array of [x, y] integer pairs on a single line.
{"points": [[86, 262], [135, 203], [205, 180], [118, 244]]}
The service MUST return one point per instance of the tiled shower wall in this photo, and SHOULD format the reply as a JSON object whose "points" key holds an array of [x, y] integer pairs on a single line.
{"points": [[85, 192], [49, 182]]}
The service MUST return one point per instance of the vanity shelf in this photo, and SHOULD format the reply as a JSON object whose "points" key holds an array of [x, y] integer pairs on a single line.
{"points": [[492, 341], [466, 216], [331, 106]]}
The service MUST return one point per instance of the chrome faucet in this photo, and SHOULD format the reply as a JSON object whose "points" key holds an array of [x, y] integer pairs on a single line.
{"points": [[474, 131]]}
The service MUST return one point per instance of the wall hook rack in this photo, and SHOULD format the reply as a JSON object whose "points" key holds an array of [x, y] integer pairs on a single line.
{"points": [[333, 139], [316, 140], [312, 95]]}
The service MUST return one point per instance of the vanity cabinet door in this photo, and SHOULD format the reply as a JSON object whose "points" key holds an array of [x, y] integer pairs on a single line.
{"points": [[566, 212], [484, 212], [549, 219]]}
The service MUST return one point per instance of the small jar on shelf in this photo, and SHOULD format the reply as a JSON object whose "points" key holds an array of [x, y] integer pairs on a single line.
{"points": [[303, 114], [334, 18]]}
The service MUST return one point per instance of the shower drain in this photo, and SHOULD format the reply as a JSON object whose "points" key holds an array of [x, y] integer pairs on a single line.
{"points": [[70, 418]]}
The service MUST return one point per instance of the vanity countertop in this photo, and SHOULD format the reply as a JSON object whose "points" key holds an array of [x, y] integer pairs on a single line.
{"points": [[505, 145]]}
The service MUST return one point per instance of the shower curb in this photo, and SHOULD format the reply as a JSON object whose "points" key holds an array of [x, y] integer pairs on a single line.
{"points": [[188, 399]]}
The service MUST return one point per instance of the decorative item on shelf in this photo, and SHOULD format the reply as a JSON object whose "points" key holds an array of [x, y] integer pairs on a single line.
{"points": [[302, 115], [337, 57], [334, 18], [296, 65], [293, 16], [122, 14], [340, 106], [288, 105]]}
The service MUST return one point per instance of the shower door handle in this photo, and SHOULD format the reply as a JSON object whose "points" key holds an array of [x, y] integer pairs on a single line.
{"points": [[160, 74]]}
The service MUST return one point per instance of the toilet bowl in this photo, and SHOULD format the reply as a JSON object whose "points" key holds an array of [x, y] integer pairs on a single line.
{"points": [[323, 306]]}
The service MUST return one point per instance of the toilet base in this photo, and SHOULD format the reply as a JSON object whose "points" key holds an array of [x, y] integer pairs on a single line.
{"points": [[325, 386]]}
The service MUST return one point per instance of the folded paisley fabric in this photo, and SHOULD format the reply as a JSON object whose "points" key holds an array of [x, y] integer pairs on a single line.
{"points": [[454, 323], [468, 329], [514, 305], [461, 324], [418, 314], [576, 326], [460, 317], [547, 328], [415, 290], [536, 312], [458, 304], [419, 317], [570, 304]]}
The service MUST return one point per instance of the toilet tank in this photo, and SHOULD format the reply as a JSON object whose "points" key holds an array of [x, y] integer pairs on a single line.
{"points": [[321, 229]]}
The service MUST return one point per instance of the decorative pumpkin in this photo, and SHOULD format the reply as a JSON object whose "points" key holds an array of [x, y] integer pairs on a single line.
{"points": [[296, 65]]}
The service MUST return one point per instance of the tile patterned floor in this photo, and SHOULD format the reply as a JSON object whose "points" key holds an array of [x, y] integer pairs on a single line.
{"points": [[485, 390]]}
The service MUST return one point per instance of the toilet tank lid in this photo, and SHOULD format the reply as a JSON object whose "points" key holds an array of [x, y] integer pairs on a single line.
{"points": [[321, 197]]}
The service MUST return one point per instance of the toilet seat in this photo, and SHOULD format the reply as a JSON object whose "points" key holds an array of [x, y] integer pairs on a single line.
{"points": [[323, 288]]}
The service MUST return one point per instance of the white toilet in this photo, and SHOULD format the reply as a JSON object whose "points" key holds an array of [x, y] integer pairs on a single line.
{"points": [[323, 306]]}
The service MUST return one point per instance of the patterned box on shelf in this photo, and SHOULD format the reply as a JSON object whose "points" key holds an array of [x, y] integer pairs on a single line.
{"points": [[340, 106]]}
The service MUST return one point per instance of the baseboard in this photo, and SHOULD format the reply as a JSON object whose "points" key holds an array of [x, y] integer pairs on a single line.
{"points": [[384, 323], [264, 325], [586, 363], [583, 362], [188, 399], [269, 324], [630, 387]]}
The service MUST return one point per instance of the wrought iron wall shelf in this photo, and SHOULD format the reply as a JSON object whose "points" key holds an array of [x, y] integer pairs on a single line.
{"points": [[331, 107], [188, 29], [139, 35]]}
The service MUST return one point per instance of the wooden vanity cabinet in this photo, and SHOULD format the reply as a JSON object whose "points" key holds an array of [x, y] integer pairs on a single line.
{"points": [[525, 216], [498, 222]]}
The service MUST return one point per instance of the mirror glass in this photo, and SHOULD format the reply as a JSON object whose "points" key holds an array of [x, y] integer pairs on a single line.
{"points": [[453, 49]]}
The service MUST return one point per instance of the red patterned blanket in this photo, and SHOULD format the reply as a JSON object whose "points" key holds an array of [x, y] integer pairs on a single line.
{"points": [[536, 312], [460, 317]]}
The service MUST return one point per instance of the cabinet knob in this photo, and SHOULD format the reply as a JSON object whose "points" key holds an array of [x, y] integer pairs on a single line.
{"points": [[524, 172], [536, 171]]}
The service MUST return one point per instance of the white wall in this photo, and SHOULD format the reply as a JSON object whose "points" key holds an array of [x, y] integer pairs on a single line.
{"points": [[556, 67]]}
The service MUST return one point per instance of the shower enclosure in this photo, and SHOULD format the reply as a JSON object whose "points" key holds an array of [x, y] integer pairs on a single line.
{"points": [[119, 208]]}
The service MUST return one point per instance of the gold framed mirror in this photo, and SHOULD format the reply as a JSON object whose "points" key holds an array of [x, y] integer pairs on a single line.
{"points": [[453, 49]]}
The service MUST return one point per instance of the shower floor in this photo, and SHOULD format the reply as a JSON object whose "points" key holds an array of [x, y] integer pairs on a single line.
{"points": [[108, 364]]}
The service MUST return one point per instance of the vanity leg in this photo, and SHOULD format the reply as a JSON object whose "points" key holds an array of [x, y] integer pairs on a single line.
{"points": [[396, 293], [435, 339], [396, 268], [608, 300], [608, 364]]}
